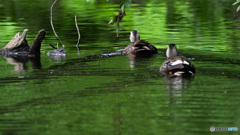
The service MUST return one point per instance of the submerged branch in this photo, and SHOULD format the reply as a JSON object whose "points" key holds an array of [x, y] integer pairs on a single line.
{"points": [[53, 26], [79, 36]]}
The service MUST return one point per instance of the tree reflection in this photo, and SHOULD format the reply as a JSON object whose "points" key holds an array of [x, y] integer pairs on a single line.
{"points": [[19, 62]]}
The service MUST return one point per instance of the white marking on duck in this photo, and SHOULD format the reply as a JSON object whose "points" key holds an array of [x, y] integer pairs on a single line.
{"points": [[179, 73], [179, 62], [185, 62]]}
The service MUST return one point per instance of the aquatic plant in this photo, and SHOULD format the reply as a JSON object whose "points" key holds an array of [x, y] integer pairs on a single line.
{"points": [[235, 3], [116, 19]]}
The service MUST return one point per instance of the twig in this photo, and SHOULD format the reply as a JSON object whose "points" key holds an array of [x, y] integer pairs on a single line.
{"points": [[79, 36], [52, 46], [117, 28], [53, 26]]}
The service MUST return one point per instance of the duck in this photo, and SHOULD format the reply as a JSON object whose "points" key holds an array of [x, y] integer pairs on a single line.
{"points": [[139, 48], [176, 65]]}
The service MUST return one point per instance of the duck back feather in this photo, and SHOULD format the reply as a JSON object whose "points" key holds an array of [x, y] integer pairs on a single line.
{"points": [[139, 48], [177, 66]]}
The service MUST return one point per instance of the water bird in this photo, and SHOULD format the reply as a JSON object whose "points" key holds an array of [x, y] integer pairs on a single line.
{"points": [[176, 65], [139, 48]]}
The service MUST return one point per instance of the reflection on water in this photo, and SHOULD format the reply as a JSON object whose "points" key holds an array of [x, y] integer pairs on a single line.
{"points": [[19, 62], [36, 63], [19, 66], [138, 62], [115, 53], [176, 83], [58, 57], [102, 91]]}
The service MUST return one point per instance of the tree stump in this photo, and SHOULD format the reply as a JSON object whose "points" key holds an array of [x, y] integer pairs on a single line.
{"points": [[19, 45]]}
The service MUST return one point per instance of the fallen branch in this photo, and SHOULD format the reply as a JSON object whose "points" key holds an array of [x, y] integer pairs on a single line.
{"points": [[79, 36], [52, 46], [53, 26]]}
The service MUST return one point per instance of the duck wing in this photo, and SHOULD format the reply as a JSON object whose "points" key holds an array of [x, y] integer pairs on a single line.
{"points": [[140, 48], [177, 64], [146, 45]]}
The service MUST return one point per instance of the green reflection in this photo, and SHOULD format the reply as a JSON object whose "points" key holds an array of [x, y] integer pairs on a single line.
{"points": [[112, 94]]}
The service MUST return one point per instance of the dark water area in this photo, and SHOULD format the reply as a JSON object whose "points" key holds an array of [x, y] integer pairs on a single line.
{"points": [[101, 91]]}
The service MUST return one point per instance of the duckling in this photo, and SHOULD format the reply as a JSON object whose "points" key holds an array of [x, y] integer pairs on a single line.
{"points": [[176, 65], [139, 48]]}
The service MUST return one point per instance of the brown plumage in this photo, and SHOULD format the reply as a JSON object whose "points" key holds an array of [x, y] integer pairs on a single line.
{"points": [[139, 48], [176, 65]]}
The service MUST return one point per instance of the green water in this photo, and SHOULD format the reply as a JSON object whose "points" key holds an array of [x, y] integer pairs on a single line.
{"points": [[103, 92]]}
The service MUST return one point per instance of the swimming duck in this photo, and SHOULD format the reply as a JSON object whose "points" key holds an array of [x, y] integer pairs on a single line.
{"points": [[139, 48], [176, 65]]}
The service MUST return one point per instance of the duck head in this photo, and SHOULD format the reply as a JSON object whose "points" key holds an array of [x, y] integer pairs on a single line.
{"points": [[171, 51], [134, 36]]}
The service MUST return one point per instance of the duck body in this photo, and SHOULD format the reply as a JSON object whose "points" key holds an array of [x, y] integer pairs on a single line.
{"points": [[139, 48], [176, 65]]}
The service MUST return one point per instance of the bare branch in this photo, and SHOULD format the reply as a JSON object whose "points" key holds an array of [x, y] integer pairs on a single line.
{"points": [[79, 36], [52, 46], [53, 26]]}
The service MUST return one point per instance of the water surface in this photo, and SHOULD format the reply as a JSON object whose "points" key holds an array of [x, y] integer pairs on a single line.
{"points": [[101, 91]]}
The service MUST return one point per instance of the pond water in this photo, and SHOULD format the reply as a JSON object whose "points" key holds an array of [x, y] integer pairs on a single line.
{"points": [[101, 91]]}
